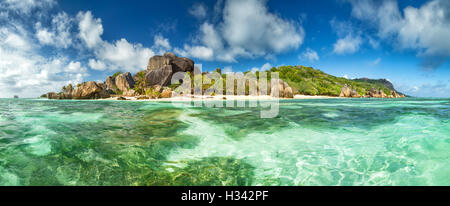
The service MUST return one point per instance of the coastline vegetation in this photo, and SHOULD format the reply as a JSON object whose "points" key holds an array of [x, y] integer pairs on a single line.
{"points": [[305, 81], [310, 81]]}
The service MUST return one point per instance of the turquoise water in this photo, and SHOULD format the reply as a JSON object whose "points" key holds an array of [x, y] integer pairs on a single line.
{"points": [[311, 142]]}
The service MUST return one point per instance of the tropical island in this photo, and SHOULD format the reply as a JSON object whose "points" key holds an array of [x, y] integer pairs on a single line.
{"points": [[154, 83]]}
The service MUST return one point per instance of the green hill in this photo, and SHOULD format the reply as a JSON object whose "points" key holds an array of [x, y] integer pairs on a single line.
{"points": [[310, 81]]}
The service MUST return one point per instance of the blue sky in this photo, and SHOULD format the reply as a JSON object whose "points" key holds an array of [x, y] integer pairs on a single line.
{"points": [[48, 43]]}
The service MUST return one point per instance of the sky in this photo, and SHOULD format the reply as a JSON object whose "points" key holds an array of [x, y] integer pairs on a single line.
{"points": [[45, 44]]}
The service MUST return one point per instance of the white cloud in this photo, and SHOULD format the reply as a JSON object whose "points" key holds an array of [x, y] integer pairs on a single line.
{"points": [[265, 67], [44, 36], [25, 70], [347, 45], [124, 55], [97, 65], [75, 67], [26, 6], [309, 55], [28, 74], [248, 30], [375, 62], [421, 29], [59, 34], [200, 52], [345, 76], [14, 38], [198, 11], [161, 44], [160, 41], [249, 25], [210, 37], [90, 29], [120, 54], [349, 41]]}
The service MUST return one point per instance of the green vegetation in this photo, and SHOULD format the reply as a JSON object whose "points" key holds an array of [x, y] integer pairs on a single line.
{"points": [[140, 84], [152, 93], [302, 80], [310, 81], [116, 74], [67, 88]]}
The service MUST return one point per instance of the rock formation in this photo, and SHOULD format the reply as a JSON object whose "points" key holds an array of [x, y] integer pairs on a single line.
{"points": [[279, 87], [182, 64], [110, 83], [90, 90], [397, 95], [288, 92], [354, 94], [345, 92], [66, 92], [86, 90], [157, 62], [161, 76], [124, 82], [154, 81], [167, 93], [130, 93], [53, 95], [161, 68], [284, 90], [374, 93], [382, 94]]}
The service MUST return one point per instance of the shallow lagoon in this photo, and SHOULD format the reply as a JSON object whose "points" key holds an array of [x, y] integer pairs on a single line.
{"points": [[311, 142]]}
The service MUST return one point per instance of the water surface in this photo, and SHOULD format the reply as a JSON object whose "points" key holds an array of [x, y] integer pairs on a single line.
{"points": [[311, 142]]}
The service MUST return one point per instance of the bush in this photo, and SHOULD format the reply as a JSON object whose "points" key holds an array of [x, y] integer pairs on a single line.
{"points": [[140, 83], [116, 74]]}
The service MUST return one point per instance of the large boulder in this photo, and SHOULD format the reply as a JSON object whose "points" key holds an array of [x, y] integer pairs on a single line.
{"points": [[382, 94], [157, 62], [90, 90], [396, 95], [182, 65], [279, 87], [162, 76], [354, 94], [53, 95], [345, 92], [374, 93], [285, 85], [167, 93], [124, 82], [130, 93], [110, 83], [161, 68], [288, 92]]}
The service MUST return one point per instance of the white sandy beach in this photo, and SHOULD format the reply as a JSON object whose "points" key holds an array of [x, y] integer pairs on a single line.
{"points": [[224, 97]]}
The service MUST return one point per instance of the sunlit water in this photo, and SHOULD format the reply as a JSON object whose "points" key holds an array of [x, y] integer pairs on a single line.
{"points": [[311, 142]]}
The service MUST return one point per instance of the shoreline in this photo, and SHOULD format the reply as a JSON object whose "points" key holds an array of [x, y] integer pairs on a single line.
{"points": [[218, 98]]}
